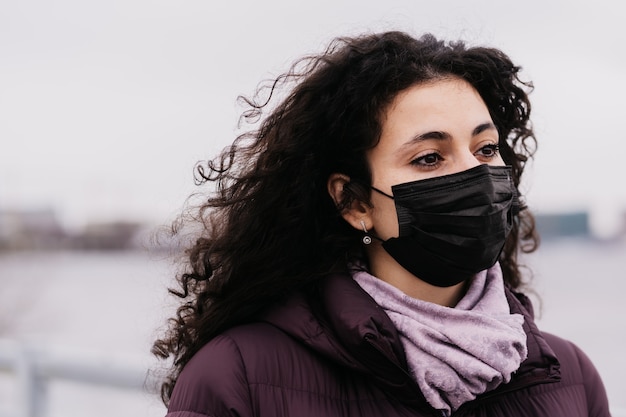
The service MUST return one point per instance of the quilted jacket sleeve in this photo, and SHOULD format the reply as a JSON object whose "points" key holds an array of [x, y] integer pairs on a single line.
{"points": [[594, 388], [213, 383]]}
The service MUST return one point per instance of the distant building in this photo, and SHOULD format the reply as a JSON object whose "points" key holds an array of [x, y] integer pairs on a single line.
{"points": [[30, 229], [40, 229], [107, 236], [563, 225]]}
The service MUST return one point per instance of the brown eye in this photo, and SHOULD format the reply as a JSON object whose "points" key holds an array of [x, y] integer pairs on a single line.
{"points": [[430, 160], [489, 151]]}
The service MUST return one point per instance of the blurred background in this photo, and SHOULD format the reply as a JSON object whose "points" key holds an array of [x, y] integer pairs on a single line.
{"points": [[105, 107]]}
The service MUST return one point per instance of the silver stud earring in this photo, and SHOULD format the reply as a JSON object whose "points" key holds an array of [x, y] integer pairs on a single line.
{"points": [[366, 239]]}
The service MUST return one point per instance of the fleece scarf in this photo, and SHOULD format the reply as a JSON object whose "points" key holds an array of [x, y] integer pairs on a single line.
{"points": [[455, 354]]}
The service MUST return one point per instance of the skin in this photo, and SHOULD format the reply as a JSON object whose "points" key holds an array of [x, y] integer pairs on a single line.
{"points": [[431, 129]]}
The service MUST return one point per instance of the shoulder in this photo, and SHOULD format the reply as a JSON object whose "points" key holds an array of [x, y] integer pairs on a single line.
{"points": [[578, 370], [217, 381], [573, 360], [213, 383]]}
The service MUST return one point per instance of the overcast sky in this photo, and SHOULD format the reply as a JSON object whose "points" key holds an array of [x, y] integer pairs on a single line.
{"points": [[105, 106]]}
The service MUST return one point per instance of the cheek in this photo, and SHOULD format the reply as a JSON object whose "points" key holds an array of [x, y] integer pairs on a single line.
{"points": [[384, 218]]}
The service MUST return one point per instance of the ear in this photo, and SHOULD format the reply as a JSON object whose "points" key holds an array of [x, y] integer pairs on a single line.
{"points": [[358, 211]]}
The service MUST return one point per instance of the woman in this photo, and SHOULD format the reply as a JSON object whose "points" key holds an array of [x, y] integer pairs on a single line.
{"points": [[359, 255]]}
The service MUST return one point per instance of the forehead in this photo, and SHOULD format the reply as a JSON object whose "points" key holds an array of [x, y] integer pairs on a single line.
{"points": [[430, 99]]}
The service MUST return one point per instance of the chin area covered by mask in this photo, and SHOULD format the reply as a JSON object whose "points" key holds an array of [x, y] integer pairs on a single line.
{"points": [[453, 226]]}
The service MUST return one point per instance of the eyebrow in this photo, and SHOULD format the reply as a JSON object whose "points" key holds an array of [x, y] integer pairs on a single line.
{"points": [[438, 135], [483, 127]]}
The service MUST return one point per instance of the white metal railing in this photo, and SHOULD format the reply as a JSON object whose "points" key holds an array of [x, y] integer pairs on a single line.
{"points": [[33, 367]]}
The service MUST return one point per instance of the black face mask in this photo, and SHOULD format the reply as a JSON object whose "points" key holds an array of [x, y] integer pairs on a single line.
{"points": [[452, 227]]}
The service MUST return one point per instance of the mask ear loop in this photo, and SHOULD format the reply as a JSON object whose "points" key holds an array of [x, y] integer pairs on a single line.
{"points": [[367, 239], [381, 192]]}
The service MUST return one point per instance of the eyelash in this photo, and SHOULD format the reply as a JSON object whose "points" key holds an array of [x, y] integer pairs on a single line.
{"points": [[493, 148]]}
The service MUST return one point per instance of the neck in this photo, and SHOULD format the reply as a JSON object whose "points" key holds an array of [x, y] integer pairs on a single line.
{"points": [[384, 267]]}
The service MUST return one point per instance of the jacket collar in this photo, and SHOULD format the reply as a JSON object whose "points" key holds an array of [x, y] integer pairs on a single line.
{"points": [[340, 321], [541, 365]]}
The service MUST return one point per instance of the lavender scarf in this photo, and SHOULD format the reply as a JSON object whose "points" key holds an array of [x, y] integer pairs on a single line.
{"points": [[455, 354]]}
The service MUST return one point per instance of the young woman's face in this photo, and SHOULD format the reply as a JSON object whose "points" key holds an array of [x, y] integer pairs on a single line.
{"points": [[429, 130]]}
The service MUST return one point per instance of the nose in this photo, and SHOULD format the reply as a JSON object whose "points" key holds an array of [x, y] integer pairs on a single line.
{"points": [[465, 160]]}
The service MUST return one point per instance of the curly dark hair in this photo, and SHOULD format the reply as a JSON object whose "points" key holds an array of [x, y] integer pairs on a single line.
{"points": [[270, 227]]}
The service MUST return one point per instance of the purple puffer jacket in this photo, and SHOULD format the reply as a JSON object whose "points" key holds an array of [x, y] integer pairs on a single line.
{"points": [[336, 353]]}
